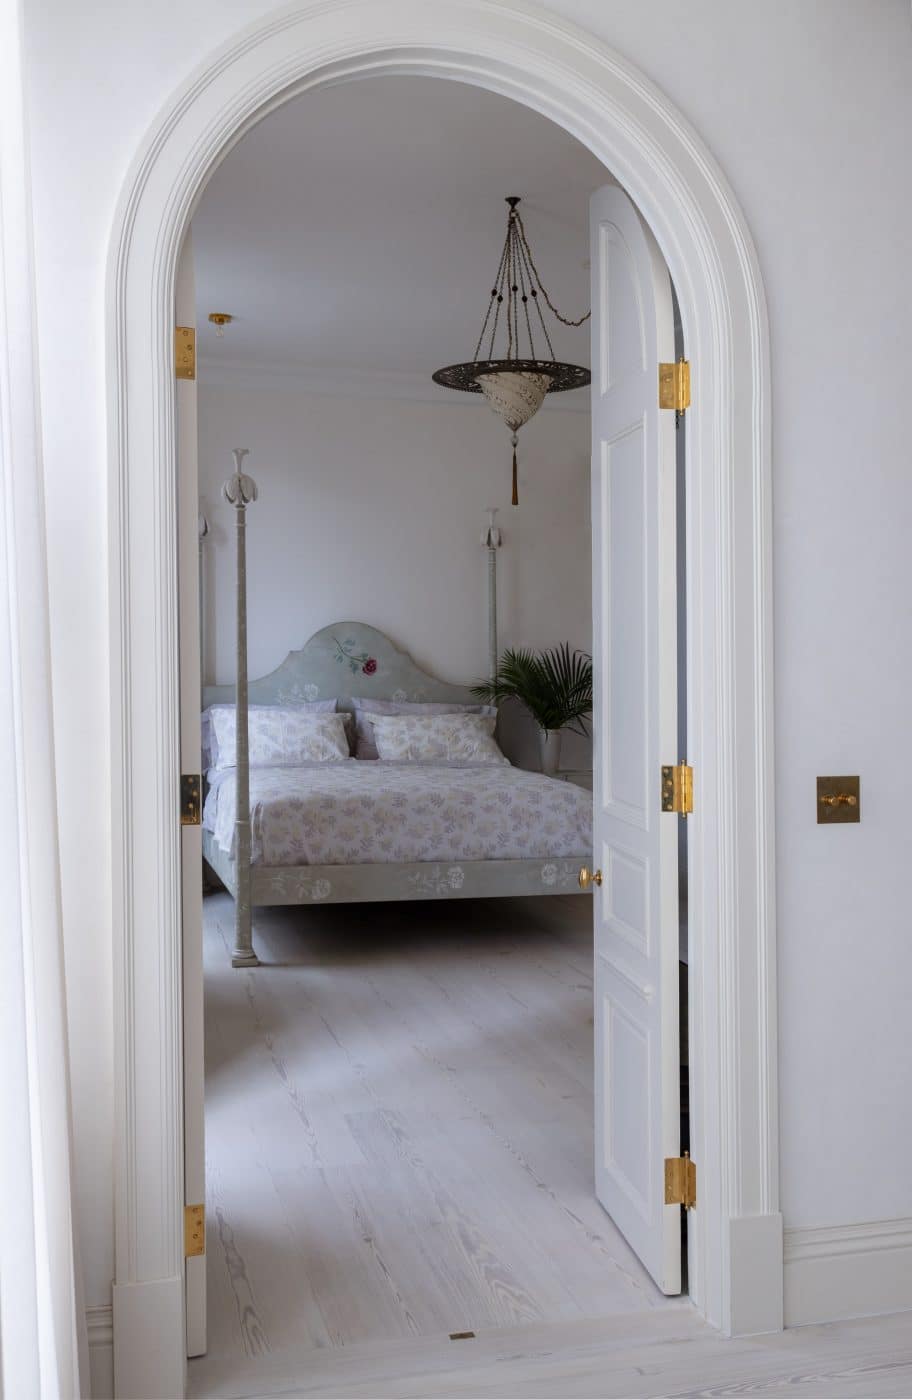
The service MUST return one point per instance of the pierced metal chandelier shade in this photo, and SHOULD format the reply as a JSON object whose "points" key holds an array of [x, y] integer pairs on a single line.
{"points": [[515, 383]]}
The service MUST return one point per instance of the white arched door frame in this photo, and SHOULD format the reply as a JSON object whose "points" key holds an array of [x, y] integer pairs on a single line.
{"points": [[527, 54]]}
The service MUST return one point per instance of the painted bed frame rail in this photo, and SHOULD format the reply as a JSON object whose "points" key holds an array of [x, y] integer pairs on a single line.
{"points": [[352, 884]]}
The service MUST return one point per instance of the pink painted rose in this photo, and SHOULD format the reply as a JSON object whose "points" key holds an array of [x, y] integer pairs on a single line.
{"points": [[369, 666]]}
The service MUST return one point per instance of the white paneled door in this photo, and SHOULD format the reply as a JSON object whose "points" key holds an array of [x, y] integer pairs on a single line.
{"points": [[191, 836], [637, 1096]]}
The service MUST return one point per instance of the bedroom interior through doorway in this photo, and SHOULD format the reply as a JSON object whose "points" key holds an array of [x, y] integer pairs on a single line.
{"points": [[254, 517]]}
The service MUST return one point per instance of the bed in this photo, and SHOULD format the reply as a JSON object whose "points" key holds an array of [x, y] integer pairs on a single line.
{"points": [[365, 829], [374, 830]]}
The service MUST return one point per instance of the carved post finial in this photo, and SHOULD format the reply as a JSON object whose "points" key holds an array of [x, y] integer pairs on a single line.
{"points": [[493, 535], [239, 490]]}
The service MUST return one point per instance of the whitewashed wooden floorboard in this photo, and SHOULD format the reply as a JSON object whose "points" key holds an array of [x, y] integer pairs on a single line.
{"points": [[399, 1128], [399, 1143], [666, 1353]]}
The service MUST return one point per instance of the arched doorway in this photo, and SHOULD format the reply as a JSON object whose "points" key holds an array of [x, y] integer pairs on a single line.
{"points": [[558, 70]]}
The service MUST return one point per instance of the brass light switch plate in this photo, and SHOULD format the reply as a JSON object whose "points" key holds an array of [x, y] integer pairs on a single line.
{"points": [[838, 800]]}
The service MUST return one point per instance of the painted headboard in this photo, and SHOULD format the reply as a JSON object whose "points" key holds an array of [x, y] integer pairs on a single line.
{"points": [[348, 658]]}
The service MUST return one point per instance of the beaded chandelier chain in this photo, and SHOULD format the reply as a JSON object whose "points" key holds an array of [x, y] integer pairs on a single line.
{"points": [[516, 382]]}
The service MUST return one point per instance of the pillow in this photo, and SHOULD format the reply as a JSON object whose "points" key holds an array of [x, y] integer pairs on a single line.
{"points": [[280, 737], [210, 758], [365, 709], [459, 738]]}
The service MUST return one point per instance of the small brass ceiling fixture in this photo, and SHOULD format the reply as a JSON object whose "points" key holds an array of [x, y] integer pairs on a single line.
{"points": [[220, 319], [516, 381]]}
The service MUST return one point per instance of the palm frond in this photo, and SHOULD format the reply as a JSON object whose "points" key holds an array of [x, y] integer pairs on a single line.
{"points": [[555, 686]]}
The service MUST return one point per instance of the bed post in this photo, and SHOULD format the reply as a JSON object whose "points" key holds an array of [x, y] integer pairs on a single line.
{"points": [[202, 531], [492, 539], [239, 491]]}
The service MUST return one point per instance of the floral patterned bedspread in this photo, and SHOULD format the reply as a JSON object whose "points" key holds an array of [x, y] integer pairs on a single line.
{"points": [[356, 812]]}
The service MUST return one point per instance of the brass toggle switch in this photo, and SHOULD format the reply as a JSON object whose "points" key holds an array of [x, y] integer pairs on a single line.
{"points": [[838, 800]]}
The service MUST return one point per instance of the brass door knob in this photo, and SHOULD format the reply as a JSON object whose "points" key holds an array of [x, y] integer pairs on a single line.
{"points": [[589, 877]]}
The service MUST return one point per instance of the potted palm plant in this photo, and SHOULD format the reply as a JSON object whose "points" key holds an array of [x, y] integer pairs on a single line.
{"points": [[554, 686]]}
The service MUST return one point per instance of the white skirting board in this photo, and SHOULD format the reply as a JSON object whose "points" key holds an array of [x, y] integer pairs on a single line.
{"points": [[147, 1318], [100, 1329], [843, 1271], [755, 1263]]}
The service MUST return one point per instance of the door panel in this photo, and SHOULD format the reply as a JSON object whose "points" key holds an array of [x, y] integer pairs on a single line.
{"points": [[635, 664], [623, 525]]}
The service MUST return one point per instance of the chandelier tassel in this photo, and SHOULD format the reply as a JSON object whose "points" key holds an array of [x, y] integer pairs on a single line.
{"points": [[515, 476]]}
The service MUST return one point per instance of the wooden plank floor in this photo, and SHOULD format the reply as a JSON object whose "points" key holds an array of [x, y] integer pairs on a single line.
{"points": [[399, 1145], [399, 1127]]}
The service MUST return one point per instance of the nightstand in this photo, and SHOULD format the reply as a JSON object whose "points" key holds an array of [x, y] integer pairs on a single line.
{"points": [[581, 776]]}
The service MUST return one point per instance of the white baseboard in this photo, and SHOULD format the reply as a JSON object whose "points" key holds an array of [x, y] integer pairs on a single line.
{"points": [[100, 1328], [150, 1356], [755, 1275], [842, 1271]]}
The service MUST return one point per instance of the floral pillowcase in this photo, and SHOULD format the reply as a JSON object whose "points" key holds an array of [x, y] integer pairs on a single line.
{"points": [[280, 737], [367, 709], [459, 738], [209, 743]]}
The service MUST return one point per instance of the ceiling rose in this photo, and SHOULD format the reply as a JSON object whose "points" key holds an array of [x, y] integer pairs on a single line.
{"points": [[515, 382]]}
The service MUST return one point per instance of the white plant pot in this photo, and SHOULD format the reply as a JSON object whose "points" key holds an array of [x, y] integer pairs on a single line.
{"points": [[549, 748]]}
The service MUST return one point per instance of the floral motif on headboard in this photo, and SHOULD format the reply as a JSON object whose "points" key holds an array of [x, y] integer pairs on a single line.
{"points": [[356, 660], [296, 694]]}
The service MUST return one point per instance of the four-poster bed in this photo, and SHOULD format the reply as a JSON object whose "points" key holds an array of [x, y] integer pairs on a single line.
{"points": [[450, 821]]}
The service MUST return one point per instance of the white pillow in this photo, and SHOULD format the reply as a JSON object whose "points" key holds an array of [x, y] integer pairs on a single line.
{"points": [[459, 738], [366, 708], [280, 737], [209, 745]]}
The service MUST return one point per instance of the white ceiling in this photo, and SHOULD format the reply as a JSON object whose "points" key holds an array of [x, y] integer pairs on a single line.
{"points": [[358, 228]]}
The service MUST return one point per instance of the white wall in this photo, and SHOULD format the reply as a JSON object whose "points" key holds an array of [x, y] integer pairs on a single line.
{"points": [[808, 108], [373, 509]]}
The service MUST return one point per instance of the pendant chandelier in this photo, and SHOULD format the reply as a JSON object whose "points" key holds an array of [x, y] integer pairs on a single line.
{"points": [[515, 383]]}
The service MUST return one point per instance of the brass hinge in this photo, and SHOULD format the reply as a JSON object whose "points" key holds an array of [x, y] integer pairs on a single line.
{"points": [[184, 352], [194, 1231], [680, 1182], [674, 386], [190, 799], [678, 789]]}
